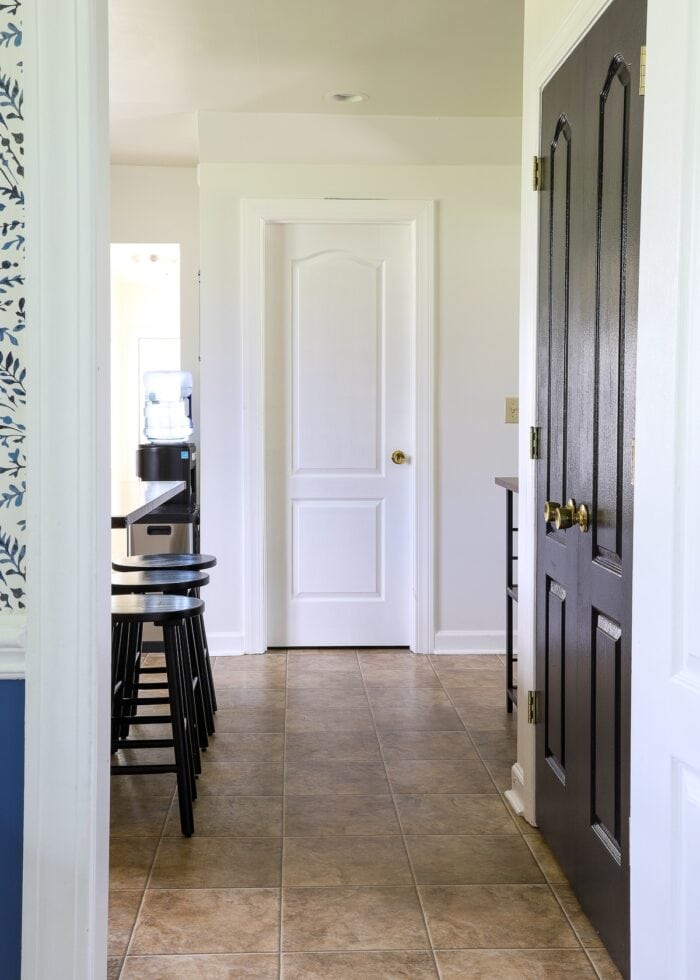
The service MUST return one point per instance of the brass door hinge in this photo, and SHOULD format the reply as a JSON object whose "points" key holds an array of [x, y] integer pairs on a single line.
{"points": [[533, 703], [538, 173], [534, 442], [643, 70]]}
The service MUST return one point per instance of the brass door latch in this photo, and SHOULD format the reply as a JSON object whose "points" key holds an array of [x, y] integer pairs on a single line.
{"points": [[566, 515]]}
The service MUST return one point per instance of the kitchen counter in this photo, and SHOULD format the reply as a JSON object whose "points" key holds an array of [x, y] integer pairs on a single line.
{"points": [[507, 482], [134, 499]]}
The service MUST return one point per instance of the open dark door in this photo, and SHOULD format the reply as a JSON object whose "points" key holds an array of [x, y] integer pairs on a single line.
{"points": [[591, 144]]}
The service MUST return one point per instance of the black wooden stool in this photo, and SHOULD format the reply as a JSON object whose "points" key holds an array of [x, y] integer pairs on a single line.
{"points": [[173, 583], [179, 562], [171, 612]]}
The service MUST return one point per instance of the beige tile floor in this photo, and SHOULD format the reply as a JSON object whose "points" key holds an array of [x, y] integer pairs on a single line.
{"points": [[350, 824]]}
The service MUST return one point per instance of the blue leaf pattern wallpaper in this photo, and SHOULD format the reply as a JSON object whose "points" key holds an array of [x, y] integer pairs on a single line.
{"points": [[13, 377]]}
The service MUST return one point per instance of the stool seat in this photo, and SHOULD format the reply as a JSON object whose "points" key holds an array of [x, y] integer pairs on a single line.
{"points": [[161, 609], [176, 562], [157, 580]]}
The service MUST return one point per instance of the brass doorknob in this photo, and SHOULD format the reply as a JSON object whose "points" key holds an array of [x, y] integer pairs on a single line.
{"points": [[398, 456], [569, 514], [550, 510]]}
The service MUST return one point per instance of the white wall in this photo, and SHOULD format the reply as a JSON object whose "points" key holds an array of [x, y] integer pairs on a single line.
{"points": [[161, 205], [145, 320], [477, 299]]}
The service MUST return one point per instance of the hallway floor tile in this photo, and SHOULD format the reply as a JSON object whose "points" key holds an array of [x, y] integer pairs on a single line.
{"points": [[350, 824]]}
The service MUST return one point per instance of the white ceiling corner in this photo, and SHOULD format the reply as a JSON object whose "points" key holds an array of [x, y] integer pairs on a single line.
{"points": [[427, 65]]}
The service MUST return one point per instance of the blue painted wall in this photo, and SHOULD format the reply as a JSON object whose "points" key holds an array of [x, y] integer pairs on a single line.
{"points": [[11, 817]]}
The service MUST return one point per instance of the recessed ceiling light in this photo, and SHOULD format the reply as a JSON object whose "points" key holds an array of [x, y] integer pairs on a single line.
{"points": [[347, 97]]}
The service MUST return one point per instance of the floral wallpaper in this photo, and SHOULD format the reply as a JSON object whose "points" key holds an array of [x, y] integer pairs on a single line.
{"points": [[13, 395]]}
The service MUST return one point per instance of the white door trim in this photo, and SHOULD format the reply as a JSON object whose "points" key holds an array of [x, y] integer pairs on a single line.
{"points": [[665, 675], [575, 27], [419, 216], [66, 807]]}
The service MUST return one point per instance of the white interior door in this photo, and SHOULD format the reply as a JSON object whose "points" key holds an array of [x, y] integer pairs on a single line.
{"points": [[339, 313]]}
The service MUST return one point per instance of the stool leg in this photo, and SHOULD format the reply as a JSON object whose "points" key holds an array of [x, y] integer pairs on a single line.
{"points": [[117, 683], [126, 672], [201, 693], [177, 713], [204, 673], [132, 634], [136, 633], [210, 673], [188, 683], [192, 744]]}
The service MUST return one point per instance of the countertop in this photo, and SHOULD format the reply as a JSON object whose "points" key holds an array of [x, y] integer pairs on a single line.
{"points": [[507, 482], [134, 499]]}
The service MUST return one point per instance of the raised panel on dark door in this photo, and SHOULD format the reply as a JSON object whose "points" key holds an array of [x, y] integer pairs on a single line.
{"points": [[560, 245], [586, 820]]}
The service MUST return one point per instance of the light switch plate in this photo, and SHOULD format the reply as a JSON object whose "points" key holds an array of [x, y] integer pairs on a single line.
{"points": [[512, 411]]}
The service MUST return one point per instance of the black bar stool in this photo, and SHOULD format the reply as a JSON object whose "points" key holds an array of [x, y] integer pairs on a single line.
{"points": [[179, 562], [164, 563], [171, 612], [173, 583]]}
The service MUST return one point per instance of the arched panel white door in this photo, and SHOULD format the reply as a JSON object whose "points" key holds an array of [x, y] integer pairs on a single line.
{"points": [[339, 312]]}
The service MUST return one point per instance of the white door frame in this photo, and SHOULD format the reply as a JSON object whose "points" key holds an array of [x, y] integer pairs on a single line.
{"points": [[66, 806], [665, 666], [419, 217]]}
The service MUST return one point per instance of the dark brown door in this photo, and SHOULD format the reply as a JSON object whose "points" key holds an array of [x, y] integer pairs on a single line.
{"points": [[589, 242]]}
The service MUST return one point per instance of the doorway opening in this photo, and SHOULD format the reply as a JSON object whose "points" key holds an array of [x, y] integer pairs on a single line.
{"points": [[299, 503], [145, 336]]}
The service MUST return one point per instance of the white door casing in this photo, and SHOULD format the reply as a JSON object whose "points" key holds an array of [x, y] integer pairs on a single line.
{"points": [[338, 327], [66, 805], [665, 804], [258, 221]]}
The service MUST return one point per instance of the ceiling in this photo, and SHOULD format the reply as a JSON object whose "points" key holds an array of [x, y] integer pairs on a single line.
{"points": [[172, 58]]}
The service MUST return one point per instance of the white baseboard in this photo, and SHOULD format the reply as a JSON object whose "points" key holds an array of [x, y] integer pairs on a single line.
{"points": [[471, 641], [13, 646], [225, 644], [516, 794]]}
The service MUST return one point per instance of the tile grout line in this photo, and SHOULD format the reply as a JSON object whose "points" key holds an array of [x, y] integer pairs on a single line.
{"points": [[148, 878], [561, 904], [478, 755], [398, 819], [471, 740], [513, 816], [597, 972]]}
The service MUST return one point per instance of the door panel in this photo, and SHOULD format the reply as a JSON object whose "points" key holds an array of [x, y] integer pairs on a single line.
{"points": [[337, 373], [606, 725], [555, 683], [586, 377], [558, 362], [558, 309], [611, 247], [324, 529], [338, 347]]}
